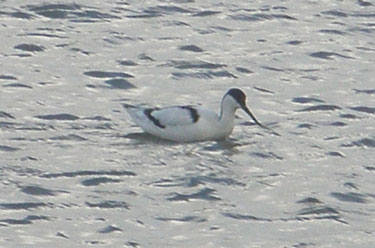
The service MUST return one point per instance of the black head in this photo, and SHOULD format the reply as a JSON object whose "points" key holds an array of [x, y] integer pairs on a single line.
{"points": [[238, 95], [240, 98]]}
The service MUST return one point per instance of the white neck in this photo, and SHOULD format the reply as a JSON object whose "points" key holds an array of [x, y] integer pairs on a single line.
{"points": [[227, 114]]}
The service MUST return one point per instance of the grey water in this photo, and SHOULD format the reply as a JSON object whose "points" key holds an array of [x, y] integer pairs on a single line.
{"points": [[76, 172]]}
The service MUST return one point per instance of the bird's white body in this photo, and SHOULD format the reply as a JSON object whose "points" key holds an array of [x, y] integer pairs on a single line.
{"points": [[188, 123]]}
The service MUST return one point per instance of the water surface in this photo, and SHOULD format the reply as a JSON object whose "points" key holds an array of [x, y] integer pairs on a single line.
{"points": [[75, 171]]}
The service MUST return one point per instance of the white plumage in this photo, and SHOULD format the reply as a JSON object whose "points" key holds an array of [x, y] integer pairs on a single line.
{"points": [[190, 123]]}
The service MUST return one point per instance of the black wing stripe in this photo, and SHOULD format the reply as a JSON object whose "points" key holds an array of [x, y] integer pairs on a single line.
{"points": [[153, 119], [193, 113]]}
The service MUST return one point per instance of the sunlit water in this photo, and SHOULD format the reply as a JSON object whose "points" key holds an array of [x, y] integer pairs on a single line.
{"points": [[76, 172]]}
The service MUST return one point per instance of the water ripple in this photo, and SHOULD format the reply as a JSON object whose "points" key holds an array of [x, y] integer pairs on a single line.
{"points": [[110, 229], [195, 180], [108, 205], [58, 117], [39, 191], [196, 219], [349, 197], [119, 83], [304, 100], [30, 47], [198, 64], [365, 142], [99, 180], [22, 205], [246, 217], [191, 48], [88, 173], [368, 110], [25, 221], [323, 107], [262, 17], [206, 13], [204, 194], [107, 74], [7, 77], [328, 55], [69, 137], [74, 12], [8, 148], [370, 91]]}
